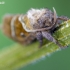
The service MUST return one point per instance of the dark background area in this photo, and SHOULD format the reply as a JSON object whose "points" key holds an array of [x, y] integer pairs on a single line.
{"points": [[57, 61]]}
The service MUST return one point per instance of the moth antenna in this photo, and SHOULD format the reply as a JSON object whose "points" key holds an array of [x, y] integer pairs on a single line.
{"points": [[42, 29], [55, 15]]}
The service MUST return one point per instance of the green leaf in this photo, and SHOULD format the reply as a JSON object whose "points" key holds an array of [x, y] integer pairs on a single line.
{"points": [[17, 56]]}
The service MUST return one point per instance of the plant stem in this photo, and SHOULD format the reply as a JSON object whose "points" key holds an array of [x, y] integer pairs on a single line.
{"points": [[17, 56]]}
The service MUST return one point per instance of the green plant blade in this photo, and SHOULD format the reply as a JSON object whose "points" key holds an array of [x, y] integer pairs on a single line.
{"points": [[17, 56]]}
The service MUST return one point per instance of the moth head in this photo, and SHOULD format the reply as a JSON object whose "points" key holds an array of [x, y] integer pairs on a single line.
{"points": [[48, 18]]}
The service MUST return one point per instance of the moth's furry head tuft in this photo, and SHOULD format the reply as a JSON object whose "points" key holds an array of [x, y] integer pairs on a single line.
{"points": [[34, 14]]}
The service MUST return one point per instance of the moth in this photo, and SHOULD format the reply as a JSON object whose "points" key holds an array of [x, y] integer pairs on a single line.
{"points": [[13, 29], [35, 24]]}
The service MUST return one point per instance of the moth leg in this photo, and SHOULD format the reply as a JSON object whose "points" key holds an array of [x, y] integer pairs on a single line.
{"points": [[39, 38], [60, 19], [48, 36], [64, 18]]}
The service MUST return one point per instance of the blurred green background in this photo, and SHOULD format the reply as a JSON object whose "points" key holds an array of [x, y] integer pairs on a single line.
{"points": [[57, 61]]}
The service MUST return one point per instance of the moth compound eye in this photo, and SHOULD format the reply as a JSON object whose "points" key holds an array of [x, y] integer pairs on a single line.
{"points": [[22, 34]]}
